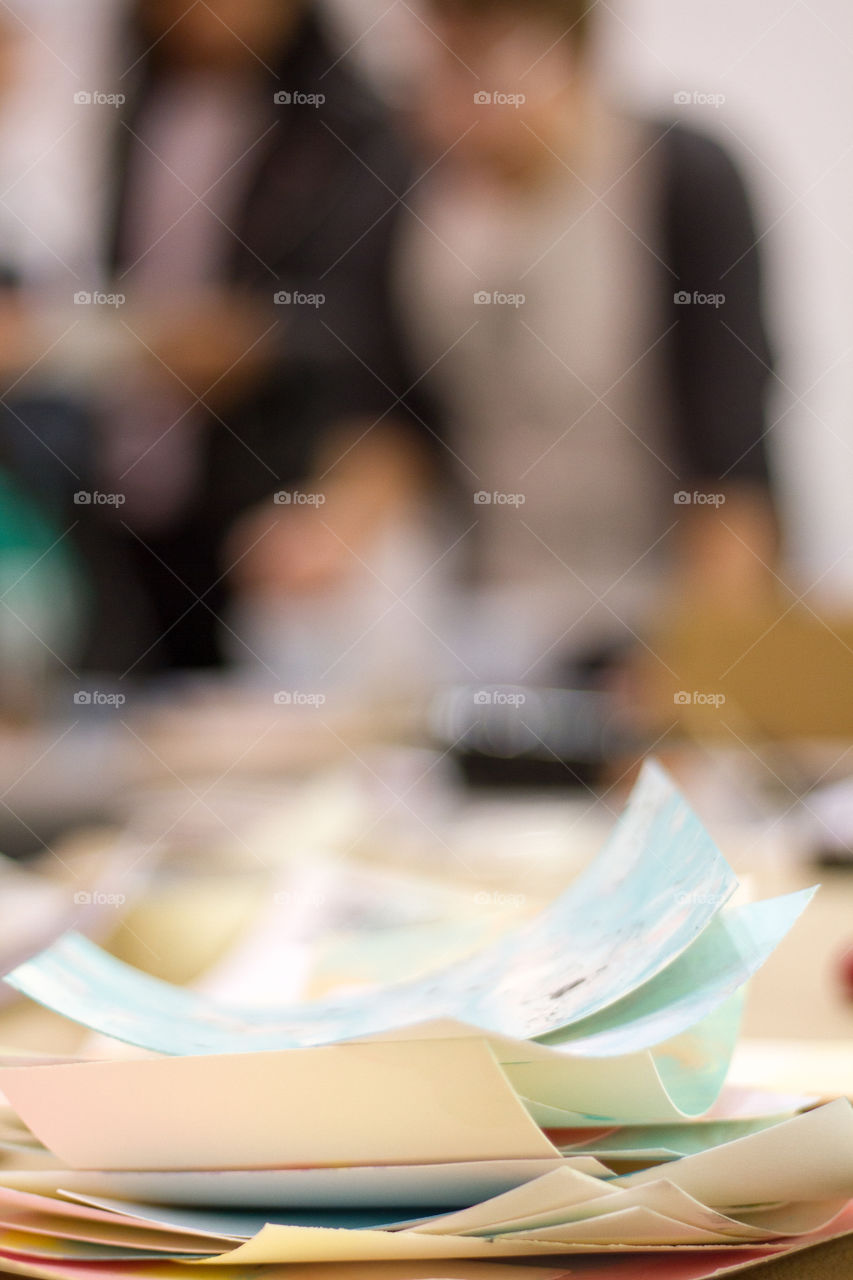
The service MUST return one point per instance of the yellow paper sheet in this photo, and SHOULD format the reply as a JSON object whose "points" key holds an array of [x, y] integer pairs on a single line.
{"points": [[277, 1244]]}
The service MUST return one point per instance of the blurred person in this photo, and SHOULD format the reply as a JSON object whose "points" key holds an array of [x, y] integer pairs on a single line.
{"points": [[585, 285], [255, 208]]}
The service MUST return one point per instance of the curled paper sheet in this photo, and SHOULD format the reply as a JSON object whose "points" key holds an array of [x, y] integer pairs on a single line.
{"points": [[654, 888], [451, 1270], [809, 1157], [733, 947], [386, 1101]]}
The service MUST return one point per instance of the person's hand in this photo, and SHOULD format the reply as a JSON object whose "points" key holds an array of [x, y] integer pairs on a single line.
{"points": [[20, 342], [215, 345], [315, 544], [283, 550]]}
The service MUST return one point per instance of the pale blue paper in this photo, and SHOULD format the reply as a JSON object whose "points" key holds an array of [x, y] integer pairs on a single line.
{"points": [[722, 959], [382, 1189], [654, 888], [247, 1224]]}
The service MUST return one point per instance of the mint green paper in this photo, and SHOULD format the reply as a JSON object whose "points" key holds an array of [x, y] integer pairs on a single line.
{"points": [[733, 948], [653, 890]]}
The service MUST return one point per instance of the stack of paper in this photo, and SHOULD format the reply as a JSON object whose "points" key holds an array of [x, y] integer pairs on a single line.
{"points": [[561, 1091]]}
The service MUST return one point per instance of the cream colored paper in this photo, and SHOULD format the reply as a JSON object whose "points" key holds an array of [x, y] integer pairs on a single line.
{"points": [[795, 1219], [627, 1089], [660, 1197], [625, 1227], [559, 1191], [276, 1244], [384, 1103], [557, 1205], [305, 1244], [809, 1157]]}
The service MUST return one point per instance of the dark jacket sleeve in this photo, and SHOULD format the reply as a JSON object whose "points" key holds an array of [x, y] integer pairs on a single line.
{"points": [[718, 350]]}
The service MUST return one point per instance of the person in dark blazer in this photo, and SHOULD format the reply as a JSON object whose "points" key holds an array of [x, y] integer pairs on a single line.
{"points": [[255, 209]]}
